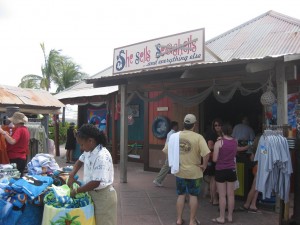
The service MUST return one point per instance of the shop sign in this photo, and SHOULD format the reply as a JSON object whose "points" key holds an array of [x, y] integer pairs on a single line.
{"points": [[162, 109], [183, 48]]}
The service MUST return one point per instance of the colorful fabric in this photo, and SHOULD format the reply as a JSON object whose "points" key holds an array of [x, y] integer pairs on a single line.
{"points": [[83, 215], [3, 153], [59, 197], [188, 186], [5, 209], [62, 193], [33, 186], [42, 160], [12, 218], [32, 215]]}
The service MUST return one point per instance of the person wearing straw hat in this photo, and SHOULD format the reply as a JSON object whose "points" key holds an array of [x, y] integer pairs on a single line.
{"points": [[18, 142]]}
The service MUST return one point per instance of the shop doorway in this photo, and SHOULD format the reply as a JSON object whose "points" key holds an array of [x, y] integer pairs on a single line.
{"points": [[233, 110]]}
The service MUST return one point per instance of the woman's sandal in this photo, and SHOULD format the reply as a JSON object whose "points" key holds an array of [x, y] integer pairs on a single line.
{"points": [[243, 208], [182, 222], [253, 210], [215, 220], [229, 221]]}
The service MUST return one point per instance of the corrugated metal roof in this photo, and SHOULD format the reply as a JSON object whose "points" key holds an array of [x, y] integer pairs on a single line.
{"points": [[267, 35], [271, 34], [82, 89], [29, 100]]}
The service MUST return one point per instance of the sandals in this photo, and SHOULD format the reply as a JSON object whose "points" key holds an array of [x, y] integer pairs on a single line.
{"points": [[243, 208], [215, 220], [182, 222], [253, 210]]}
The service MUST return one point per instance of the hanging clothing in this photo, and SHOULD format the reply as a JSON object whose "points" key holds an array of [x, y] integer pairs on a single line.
{"points": [[3, 153], [274, 165], [38, 138]]}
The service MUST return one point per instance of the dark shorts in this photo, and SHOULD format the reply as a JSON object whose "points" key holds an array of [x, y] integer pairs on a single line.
{"points": [[188, 186], [228, 175], [210, 169]]}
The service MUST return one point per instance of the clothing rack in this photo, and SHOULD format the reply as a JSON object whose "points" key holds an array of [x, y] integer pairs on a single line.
{"points": [[30, 120], [282, 207], [279, 129], [38, 136]]}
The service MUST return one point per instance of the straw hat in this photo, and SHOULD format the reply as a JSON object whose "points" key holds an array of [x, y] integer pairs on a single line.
{"points": [[18, 117]]}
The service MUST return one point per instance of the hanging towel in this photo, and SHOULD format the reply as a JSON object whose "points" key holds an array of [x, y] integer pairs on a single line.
{"points": [[173, 152]]}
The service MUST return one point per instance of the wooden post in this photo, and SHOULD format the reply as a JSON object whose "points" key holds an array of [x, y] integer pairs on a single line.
{"points": [[113, 130], [56, 134], [123, 135], [63, 120], [45, 124], [282, 118]]}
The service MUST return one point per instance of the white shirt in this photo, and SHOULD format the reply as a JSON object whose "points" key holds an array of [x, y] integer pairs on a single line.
{"points": [[169, 134], [98, 166]]}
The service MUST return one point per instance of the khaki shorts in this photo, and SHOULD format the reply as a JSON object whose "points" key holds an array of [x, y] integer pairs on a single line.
{"points": [[105, 201]]}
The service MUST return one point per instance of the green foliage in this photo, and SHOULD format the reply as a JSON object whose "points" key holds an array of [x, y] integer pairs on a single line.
{"points": [[62, 132], [57, 69]]}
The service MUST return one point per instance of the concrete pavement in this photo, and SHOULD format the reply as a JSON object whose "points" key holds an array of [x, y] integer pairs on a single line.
{"points": [[142, 203]]}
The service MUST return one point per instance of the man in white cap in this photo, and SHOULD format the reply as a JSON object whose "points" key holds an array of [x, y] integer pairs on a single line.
{"points": [[192, 148], [18, 142]]}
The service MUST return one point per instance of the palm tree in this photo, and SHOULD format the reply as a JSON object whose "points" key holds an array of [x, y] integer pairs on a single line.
{"points": [[68, 75], [49, 70], [59, 69]]}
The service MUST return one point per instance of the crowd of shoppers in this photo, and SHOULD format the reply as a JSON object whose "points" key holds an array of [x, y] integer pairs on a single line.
{"points": [[190, 156]]}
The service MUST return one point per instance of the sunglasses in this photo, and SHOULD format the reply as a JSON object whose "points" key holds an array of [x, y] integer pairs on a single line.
{"points": [[217, 125]]}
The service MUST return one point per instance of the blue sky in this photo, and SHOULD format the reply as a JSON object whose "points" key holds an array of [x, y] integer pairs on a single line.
{"points": [[89, 30]]}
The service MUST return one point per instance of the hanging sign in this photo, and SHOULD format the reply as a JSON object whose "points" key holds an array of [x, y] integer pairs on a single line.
{"points": [[171, 50]]}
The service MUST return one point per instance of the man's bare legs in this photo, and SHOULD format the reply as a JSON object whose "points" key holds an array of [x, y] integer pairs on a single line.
{"points": [[193, 202], [179, 207]]}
